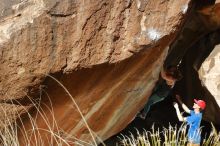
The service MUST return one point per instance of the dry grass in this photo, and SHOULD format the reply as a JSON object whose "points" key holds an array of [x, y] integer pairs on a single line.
{"points": [[171, 137], [55, 135]]}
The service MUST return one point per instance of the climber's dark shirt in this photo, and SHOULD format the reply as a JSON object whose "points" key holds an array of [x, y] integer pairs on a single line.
{"points": [[162, 89]]}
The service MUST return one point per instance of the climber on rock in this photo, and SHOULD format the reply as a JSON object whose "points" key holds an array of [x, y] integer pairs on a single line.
{"points": [[194, 120], [168, 78]]}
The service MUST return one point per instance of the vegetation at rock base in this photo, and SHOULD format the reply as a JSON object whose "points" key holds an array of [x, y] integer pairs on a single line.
{"points": [[172, 136], [11, 130]]}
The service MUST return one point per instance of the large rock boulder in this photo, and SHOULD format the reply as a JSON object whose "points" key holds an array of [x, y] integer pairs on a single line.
{"points": [[190, 50], [108, 54], [210, 73]]}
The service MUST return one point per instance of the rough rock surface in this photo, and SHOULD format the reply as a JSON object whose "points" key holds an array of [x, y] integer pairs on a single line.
{"points": [[210, 73], [210, 15], [190, 49], [107, 53]]}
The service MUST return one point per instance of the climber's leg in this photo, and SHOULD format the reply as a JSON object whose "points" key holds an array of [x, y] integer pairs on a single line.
{"points": [[153, 99]]}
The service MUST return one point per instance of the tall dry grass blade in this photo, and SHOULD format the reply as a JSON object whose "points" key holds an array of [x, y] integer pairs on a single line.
{"points": [[77, 107]]}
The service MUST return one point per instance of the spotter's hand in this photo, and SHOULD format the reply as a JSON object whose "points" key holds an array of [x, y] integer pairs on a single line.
{"points": [[175, 105]]}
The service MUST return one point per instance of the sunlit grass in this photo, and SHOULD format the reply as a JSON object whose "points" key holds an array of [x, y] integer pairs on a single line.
{"points": [[213, 139], [172, 136]]}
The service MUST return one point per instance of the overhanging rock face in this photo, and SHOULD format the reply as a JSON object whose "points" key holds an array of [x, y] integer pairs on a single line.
{"points": [[210, 15], [191, 48], [210, 73], [107, 53]]}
